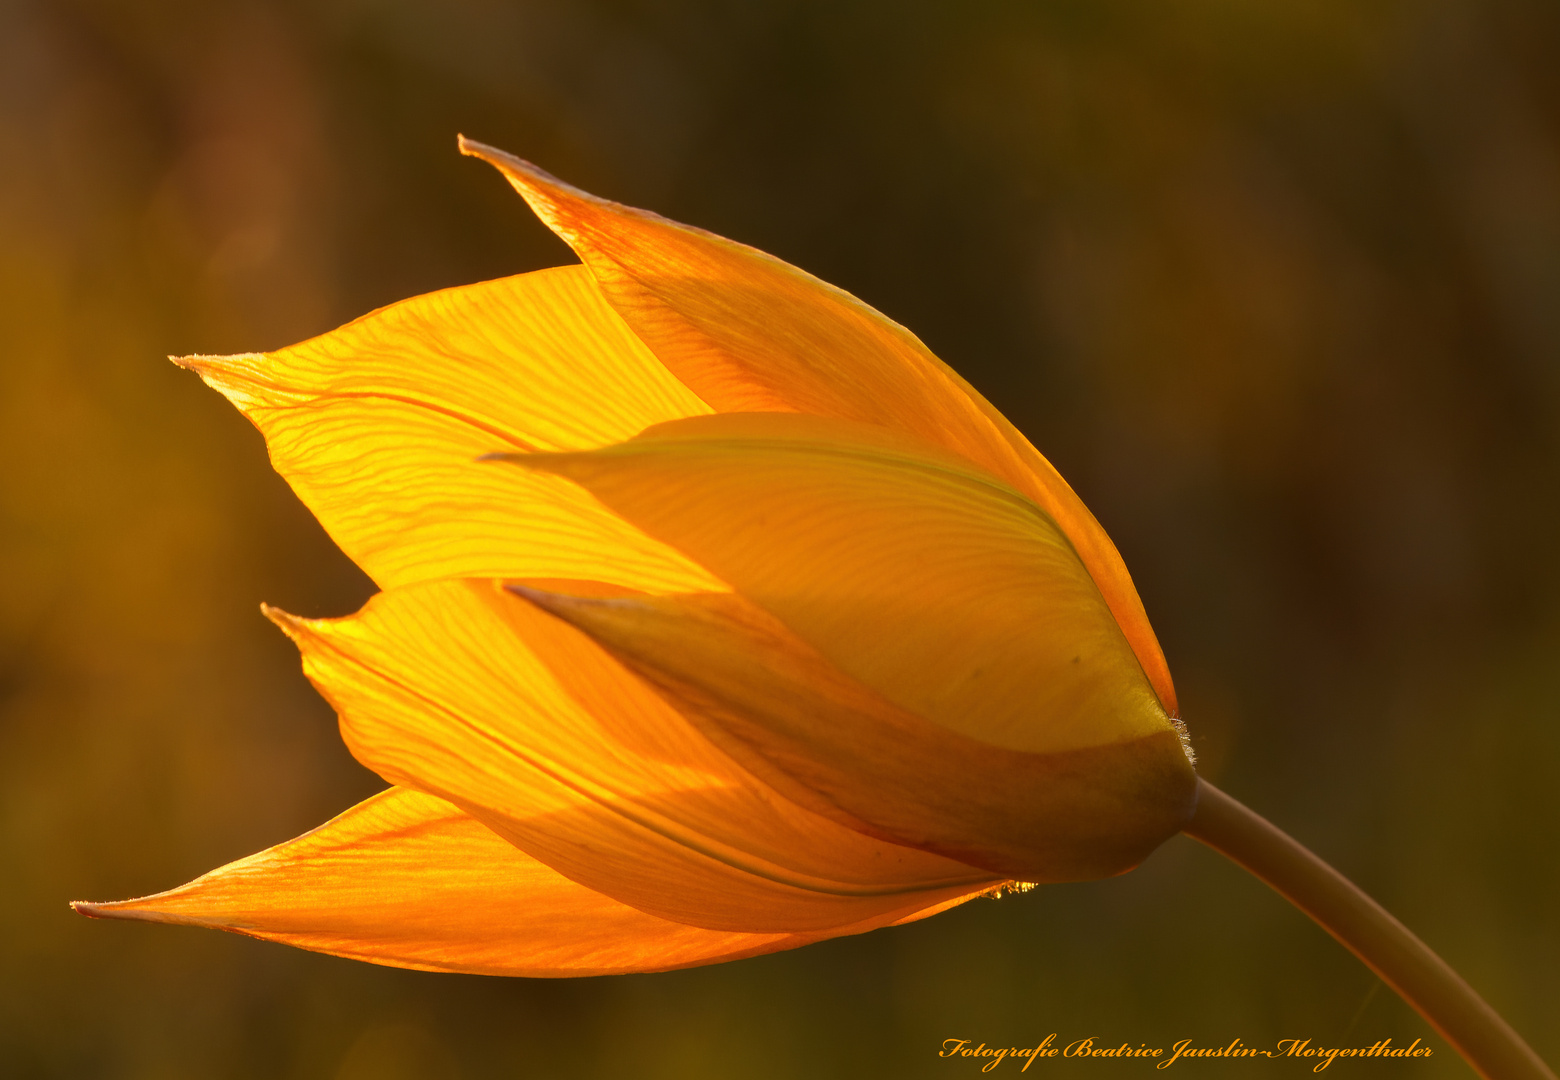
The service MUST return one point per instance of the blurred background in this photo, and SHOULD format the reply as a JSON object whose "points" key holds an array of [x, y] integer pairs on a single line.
{"points": [[1275, 284]]}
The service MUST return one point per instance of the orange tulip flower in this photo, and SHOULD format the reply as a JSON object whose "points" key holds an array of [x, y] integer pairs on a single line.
{"points": [[764, 628], [718, 617]]}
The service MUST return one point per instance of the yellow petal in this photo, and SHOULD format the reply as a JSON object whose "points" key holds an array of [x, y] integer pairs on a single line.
{"points": [[377, 427], [943, 589], [409, 880], [749, 332], [464, 691], [830, 743]]}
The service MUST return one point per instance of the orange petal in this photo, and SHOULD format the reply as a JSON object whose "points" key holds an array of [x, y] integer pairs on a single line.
{"points": [[377, 426], [828, 742], [749, 332], [464, 691], [938, 586], [409, 880]]}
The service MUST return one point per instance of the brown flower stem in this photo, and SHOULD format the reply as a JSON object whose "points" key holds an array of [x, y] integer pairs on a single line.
{"points": [[1363, 926]]}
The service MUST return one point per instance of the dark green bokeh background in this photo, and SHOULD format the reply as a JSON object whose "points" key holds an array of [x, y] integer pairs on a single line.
{"points": [[1276, 284]]}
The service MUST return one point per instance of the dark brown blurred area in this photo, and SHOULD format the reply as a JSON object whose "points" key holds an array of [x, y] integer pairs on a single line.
{"points": [[1276, 285]]}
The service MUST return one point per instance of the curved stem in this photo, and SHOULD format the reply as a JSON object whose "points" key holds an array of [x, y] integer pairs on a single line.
{"points": [[1363, 926]]}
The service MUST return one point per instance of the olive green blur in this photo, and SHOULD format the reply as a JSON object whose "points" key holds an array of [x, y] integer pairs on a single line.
{"points": [[1275, 284]]}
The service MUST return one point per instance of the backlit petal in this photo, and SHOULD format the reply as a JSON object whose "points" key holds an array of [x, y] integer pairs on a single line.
{"points": [[943, 589], [828, 742], [749, 332], [409, 880], [462, 690], [377, 426]]}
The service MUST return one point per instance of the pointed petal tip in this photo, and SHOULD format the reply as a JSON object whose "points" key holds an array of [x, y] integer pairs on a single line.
{"points": [[291, 625], [117, 909], [551, 199], [231, 376], [201, 363], [503, 160], [195, 362]]}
